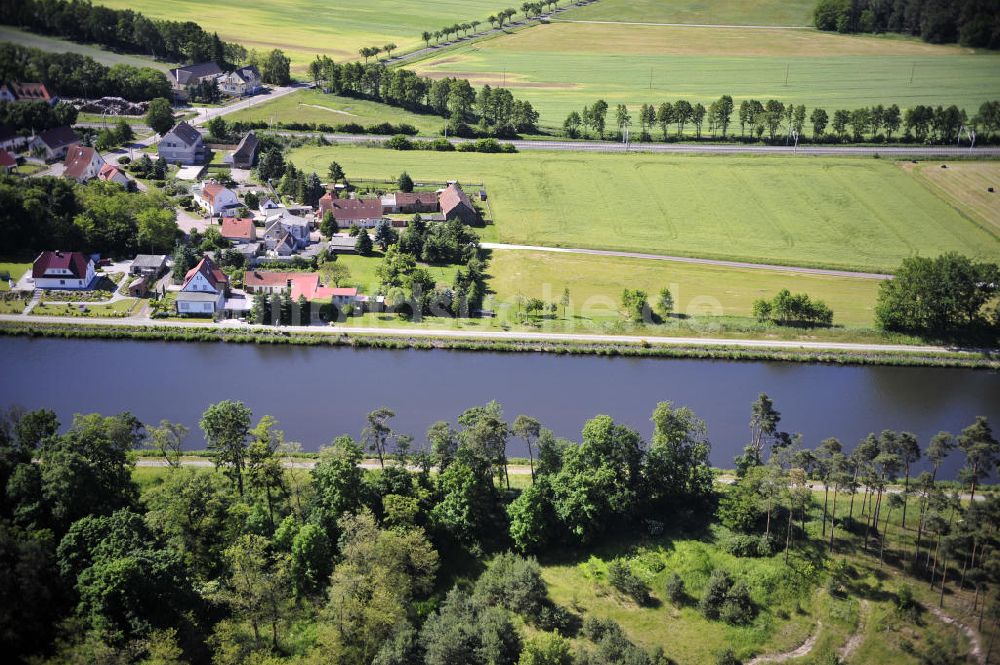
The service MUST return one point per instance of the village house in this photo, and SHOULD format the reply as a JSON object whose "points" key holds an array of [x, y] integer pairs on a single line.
{"points": [[241, 82], [82, 163], [410, 203], [342, 244], [300, 284], [364, 213], [54, 143], [8, 162], [245, 155], [182, 79], [204, 290], [215, 199], [238, 230], [10, 140], [26, 92], [149, 265], [63, 270], [455, 204], [111, 173], [183, 144], [284, 233]]}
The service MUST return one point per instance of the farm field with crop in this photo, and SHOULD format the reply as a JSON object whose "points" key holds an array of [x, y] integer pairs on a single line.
{"points": [[845, 213], [305, 28], [966, 185], [727, 12], [563, 66]]}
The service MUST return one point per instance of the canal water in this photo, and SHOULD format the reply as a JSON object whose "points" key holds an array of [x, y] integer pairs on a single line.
{"points": [[317, 393]]}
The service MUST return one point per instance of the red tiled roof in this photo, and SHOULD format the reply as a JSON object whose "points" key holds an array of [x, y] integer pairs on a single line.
{"points": [[109, 171], [210, 190], [452, 197], [78, 158], [349, 210], [75, 262], [240, 229], [207, 268], [302, 284], [414, 198], [7, 160], [29, 91]]}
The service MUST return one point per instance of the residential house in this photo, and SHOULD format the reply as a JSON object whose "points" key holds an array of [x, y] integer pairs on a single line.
{"points": [[204, 290], [63, 270], [340, 244], [299, 284], [410, 203], [82, 163], [455, 204], [239, 230], [111, 173], [139, 286], [282, 223], [215, 199], [364, 213], [183, 144], [10, 140], [241, 82], [8, 162], [182, 79], [268, 206], [26, 92], [54, 143], [149, 265], [245, 155]]}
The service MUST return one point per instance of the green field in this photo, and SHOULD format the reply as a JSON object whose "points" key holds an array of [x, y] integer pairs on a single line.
{"points": [[563, 66], [847, 212], [697, 289], [363, 272], [728, 12], [315, 106], [305, 28], [13, 271], [23, 38]]}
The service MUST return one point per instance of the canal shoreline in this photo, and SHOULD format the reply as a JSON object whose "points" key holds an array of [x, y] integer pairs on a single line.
{"points": [[516, 342]]}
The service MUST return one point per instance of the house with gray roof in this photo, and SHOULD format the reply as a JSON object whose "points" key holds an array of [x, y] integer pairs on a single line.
{"points": [[182, 145], [182, 79], [245, 154]]}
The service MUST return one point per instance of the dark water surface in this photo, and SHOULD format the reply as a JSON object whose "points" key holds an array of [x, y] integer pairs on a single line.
{"points": [[317, 393]]}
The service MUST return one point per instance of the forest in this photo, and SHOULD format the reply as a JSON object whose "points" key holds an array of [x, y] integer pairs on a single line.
{"points": [[434, 552]]}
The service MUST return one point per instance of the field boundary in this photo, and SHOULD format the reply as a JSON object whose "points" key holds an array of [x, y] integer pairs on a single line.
{"points": [[690, 25]]}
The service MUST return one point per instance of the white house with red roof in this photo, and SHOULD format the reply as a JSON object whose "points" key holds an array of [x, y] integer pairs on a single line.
{"points": [[203, 292], [215, 199], [364, 213], [63, 270], [299, 284], [238, 230], [82, 163], [111, 173], [26, 92]]}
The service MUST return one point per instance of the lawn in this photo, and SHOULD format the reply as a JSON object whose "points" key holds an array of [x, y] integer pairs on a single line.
{"points": [[697, 289], [563, 66], [117, 309], [305, 28], [966, 186], [55, 45], [729, 12], [12, 271], [363, 272], [837, 212], [315, 106]]}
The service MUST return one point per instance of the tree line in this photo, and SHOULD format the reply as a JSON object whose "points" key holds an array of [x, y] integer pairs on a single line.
{"points": [[36, 116], [774, 120], [973, 23], [75, 75], [490, 111], [122, 30], [379, 565]]}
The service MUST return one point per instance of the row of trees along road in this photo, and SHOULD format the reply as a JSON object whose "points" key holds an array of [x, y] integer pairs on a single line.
{"points": [[781, 122]]}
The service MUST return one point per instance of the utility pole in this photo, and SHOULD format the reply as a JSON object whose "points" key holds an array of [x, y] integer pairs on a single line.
{"points": [[650, 78], [913, 68], [786, 74]]}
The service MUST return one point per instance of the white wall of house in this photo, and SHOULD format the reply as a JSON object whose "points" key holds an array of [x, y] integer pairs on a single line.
{"points": [[199, 284], [58, 278]]}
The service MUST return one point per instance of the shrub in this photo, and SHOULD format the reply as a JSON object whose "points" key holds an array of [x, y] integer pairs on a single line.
{"points": [[621, 577], [727, 657], [715, 593], [674, 589], [514, 583], [745, 545], [596, 629], [399, 142], [738, 608]]}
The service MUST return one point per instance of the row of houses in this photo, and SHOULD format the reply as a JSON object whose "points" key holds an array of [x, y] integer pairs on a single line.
{"points": [[240, 82], [448, 203]]}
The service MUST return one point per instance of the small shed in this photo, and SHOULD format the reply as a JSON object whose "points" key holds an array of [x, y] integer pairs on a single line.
{"points": [[138, 287], [482, 194]]}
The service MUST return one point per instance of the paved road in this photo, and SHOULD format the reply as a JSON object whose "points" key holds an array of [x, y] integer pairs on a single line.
{"points": [[510, 335], [687, 259], [207, 113]]}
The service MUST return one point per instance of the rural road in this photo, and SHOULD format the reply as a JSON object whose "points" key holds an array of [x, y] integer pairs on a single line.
{"points": [[687, 259], [693, 25], [503, 335]]}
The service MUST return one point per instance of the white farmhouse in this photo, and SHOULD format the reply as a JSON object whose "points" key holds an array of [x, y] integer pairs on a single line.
{"points": [[203, 292], [63, 270]]}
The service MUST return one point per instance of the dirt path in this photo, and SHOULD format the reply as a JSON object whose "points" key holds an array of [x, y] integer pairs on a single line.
{"points": [[802, 650], [855, 640], [976, 650]]}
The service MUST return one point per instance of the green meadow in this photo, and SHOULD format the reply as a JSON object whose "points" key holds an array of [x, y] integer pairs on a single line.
{"points": [[305, 28], [727, 12], [848, 213], [55, 45], [563, 66]]}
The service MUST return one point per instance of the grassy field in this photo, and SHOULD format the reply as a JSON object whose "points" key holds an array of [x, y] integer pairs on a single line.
{"points": [[315, 106], [363, 272], [563, 66], [729, 12], [9, 34], [848, 213], [696, 289], [305, 28], [13, 271], [966, 186]]}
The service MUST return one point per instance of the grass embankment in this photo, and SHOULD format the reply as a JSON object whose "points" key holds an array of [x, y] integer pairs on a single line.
{"points": [[563, 66], [847, 213], [726, 12], [117, 309], [303, 28], [56, 45], [388, 340]]}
